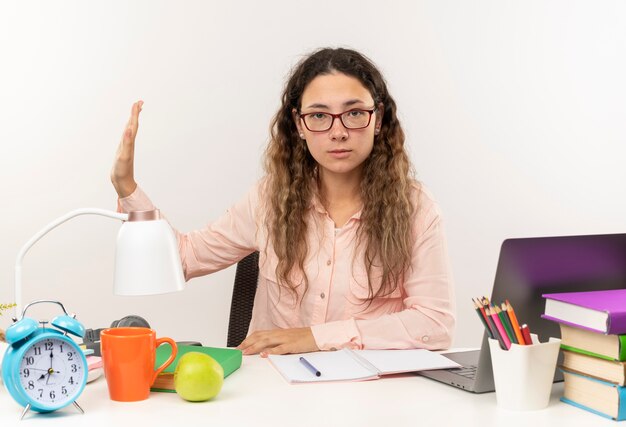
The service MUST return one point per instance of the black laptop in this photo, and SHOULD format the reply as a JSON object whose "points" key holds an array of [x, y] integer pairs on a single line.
{"points": [[528, 268]]}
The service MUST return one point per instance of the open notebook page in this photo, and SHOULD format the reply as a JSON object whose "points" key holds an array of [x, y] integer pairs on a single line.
{"points": [[357, 365], [397, 361], [334, 366]]}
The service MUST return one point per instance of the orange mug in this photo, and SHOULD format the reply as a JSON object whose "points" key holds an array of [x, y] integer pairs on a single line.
{"points": [[128, 356]]}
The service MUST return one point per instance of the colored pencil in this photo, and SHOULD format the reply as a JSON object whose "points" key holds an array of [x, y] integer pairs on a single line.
{"points": [[507, 325], [483, 317], [496, 320], [485, 302], [515, 323], [526, 334], [492, 325], [496, 333]]}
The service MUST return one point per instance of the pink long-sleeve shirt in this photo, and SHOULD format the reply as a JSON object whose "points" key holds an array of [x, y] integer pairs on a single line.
{"points": [[420, 313]]}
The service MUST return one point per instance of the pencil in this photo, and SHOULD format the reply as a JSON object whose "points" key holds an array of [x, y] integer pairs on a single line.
{"points": [[515, 323], [526, 334], [496, 320], [495, 329], [485, 302], [507, 325], [490, 321], [483, 317]]}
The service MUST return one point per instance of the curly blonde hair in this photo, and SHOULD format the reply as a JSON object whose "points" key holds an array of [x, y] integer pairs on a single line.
{"points": [[385, 227]]}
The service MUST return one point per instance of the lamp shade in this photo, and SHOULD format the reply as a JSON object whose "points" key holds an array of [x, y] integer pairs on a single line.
{"points": [[147, 260]]}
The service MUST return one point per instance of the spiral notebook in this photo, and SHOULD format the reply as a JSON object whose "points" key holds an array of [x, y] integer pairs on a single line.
{"points": [[357, 365]]}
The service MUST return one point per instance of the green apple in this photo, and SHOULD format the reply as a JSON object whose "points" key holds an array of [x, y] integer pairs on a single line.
{"points": [[198, 377]]}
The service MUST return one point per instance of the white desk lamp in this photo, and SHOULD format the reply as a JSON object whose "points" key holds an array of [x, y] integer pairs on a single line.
{"points": [[147, 261]]}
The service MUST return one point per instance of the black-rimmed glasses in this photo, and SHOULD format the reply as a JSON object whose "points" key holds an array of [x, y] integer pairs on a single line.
{"points": [[352, 119]]}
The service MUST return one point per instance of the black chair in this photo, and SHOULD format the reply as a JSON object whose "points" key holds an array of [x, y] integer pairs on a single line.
{"points": [[246, 279]]}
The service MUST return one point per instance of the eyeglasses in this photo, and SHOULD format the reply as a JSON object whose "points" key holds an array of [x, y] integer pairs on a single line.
{"points": [[351, 119]]}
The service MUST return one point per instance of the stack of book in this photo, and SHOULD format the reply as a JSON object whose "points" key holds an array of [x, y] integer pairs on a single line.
{"points": [[593, 340]]}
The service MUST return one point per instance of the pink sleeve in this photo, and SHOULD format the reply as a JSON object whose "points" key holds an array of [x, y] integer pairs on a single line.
{"points": [[137, 201], [219, 244], [428, 318]]}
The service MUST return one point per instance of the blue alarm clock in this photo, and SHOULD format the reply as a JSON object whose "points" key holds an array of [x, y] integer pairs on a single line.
{"points": [[43, 369]]}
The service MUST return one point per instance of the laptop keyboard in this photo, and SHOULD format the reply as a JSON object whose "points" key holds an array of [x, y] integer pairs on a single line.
{"points": [[465, 371]]}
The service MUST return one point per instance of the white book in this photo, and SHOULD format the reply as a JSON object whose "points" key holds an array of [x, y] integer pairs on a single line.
{"points": [[356, 365]]}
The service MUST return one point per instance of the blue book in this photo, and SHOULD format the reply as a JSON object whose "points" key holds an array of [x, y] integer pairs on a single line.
{"points": [[594, 395]]}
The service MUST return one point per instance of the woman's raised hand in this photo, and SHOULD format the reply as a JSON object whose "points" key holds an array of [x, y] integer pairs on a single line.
{"points": [[122, 174]]}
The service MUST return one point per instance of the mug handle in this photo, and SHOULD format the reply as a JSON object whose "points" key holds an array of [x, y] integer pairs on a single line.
{"points": [[160, 369]]}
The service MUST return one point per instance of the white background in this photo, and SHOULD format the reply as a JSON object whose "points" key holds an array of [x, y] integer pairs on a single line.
{"points": [[513, 112]]}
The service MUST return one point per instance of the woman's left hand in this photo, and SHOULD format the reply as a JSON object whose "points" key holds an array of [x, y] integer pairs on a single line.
{"points": [[279, 341]]}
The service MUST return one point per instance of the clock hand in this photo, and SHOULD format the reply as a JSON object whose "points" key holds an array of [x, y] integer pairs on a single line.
{"points": [[50, 371]]}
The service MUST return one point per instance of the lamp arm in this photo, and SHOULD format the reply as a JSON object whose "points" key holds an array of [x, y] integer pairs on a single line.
{"points": [[46, 230]]}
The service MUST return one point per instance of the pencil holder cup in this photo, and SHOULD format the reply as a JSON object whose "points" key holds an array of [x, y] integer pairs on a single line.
{"points": [[523, 374]]}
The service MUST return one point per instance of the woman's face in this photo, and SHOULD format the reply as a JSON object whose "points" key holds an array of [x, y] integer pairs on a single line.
{"points": [[338, 150]]}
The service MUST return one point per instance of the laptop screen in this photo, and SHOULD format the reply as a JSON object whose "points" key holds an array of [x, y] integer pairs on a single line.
{"points": [[530, 267]]}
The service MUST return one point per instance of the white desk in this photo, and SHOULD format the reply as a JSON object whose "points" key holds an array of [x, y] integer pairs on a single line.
{"points": [[256, 395]]}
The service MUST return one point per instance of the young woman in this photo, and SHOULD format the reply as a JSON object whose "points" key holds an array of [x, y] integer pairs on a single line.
{"points": [[352, 250]]}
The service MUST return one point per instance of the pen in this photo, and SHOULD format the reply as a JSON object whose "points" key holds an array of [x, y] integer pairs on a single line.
{"points": [[310, 367]]}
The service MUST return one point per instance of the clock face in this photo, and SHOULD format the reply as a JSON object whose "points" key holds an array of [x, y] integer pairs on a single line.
{"points": [[52, 371]]}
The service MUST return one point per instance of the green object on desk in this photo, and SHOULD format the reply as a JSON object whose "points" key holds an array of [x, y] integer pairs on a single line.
{"points": [[229, 358]]}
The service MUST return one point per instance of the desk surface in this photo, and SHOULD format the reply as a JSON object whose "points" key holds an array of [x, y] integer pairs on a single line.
{"points": [[256, 395]]}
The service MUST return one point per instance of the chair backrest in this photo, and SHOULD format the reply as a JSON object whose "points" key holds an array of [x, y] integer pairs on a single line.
{"points": [[244, 290]]}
